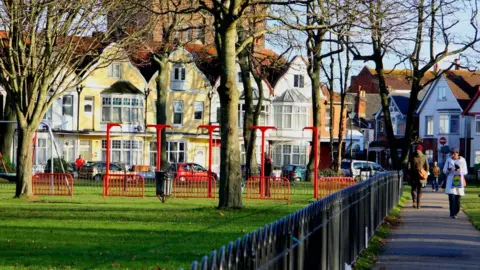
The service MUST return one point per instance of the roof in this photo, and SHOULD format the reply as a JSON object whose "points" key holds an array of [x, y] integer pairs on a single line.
{"points": [[464, 85], [266, 94], [401, 79], [122, 87], [291, 95], [283, 69], [402, 102]]}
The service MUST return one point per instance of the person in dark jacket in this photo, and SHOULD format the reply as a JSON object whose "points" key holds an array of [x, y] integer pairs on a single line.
{"points": [[417, 161], [268, 174]]}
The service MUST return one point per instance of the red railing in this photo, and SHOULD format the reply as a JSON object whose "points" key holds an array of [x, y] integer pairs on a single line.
{"points": [[124, 185], [52, 184], [268, 188], [329, 185], [194, 187]]}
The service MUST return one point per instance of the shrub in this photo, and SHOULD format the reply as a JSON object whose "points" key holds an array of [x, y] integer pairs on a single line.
{"points": [[8, 164], [57, 165]]}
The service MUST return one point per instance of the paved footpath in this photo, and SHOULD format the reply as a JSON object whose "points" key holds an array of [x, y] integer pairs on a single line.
{"points": [[427, 238]]}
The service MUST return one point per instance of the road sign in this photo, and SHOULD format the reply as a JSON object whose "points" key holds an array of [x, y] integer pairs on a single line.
{"points": [[443, 140]]}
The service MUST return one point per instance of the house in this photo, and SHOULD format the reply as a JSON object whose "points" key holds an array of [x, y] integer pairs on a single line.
{"points": [[443, 123]]}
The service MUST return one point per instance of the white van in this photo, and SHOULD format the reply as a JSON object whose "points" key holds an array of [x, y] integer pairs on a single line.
{"points": [[360, 169]]}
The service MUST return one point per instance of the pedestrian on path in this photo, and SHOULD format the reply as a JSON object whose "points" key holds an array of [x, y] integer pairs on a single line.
{"points": [[435, 174], [418, 174], [455, 169]]}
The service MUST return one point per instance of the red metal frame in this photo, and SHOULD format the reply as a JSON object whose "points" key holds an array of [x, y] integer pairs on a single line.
{"points": [[279, 188], [329, 185], [315, 160], [107, 165], [262, 129], [52, 184], [159, 128], [125, 185], [210, 129], [194, 187]]}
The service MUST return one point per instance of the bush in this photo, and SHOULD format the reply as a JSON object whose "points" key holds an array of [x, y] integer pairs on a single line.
{"points": [[57, 165], [8, 164], [328, 173]]}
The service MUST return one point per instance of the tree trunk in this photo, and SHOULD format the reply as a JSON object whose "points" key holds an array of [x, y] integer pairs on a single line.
{"points": [[340, 133], [249, 120], [314, 75], [410, 124], [162, 86], [332, 153], [7, 130], [24, 162], [230, 176]]}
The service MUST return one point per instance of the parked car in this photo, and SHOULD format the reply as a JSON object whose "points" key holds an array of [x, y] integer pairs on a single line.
{"points": [[294, 172], [96, 170], [185, 170], [354, 168], [144, 170]]}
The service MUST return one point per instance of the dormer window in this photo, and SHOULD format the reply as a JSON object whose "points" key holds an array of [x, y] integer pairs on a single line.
{"points": [[298, 81], [179, 73], [114, 70], [179, 77]]}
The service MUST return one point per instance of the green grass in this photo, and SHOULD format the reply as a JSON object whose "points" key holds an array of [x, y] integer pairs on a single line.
{"points": [[89, 231], [368, 257], [471, 203]]}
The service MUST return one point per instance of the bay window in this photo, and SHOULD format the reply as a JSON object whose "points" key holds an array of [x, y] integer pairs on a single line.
{"points": [[285, 154], [122, 109], [124, 151], [290, 117]]}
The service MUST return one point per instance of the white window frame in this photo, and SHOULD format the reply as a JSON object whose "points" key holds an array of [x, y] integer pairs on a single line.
{"points": [[198, 108], [477, 156], [123, 103], [299, 116], [114, 70], [262, 119], [442, 93], [429, 125], [458, 123], [152, 155], [282, 152], [179, 73], [477, 124], [178, 109], [327, 117], [67, 106], [129, 152], [84, 149], [446, 124], [176, 152], [298, 80], [88, 101]]}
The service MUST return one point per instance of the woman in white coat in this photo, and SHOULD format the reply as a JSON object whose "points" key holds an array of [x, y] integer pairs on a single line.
{"points": [[454, 192]]}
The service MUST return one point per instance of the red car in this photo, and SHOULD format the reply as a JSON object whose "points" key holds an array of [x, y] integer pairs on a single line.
{"points": [[190, 171]]}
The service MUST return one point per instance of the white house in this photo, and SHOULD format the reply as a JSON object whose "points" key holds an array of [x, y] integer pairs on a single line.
{"points": [[440, 114], [473, 111]]}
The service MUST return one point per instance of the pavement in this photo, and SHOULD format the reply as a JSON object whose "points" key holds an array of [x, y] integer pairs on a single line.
{"points": [[427, 238]]}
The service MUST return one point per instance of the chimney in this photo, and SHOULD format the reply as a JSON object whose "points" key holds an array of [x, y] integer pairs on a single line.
{"points": [[435, 67], [361, 104], [457, 64]]}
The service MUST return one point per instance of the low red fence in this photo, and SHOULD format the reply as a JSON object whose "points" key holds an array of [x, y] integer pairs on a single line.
{"points": [[52, 184], [194, 187], [268, 188], [329, 185], [124, 185]]}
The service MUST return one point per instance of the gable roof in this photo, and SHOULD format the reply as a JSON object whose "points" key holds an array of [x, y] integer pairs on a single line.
{"points": [[282, 70], [402, 102], [291, 95], [401, 79], [122, 87], [464, 85]]}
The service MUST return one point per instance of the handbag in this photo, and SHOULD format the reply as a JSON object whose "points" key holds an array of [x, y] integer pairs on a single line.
{"points": [[423, 175]]}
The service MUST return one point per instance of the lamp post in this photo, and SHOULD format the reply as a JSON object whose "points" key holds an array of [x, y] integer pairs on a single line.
{"points": [[351, 115], [146, 93], [210, 95], [79, 92]]}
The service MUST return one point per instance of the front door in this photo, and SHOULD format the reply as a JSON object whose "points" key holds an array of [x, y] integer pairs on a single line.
{"points": [[199, 156]]}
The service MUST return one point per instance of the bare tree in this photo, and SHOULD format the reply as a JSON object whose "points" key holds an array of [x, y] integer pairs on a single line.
{"points": [[48, 48], [421, 33]]}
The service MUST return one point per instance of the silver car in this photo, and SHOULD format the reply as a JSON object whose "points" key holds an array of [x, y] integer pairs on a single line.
{"points": [[360, 170]]}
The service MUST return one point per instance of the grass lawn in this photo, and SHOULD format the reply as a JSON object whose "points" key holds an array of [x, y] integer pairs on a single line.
{"points": [[471, 203], [89, 231]]}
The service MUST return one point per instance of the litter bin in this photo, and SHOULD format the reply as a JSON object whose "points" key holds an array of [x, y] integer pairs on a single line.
{"points": [[163, 184]]}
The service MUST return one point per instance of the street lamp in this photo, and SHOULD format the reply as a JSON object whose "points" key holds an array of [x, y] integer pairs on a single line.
{"points": [[210, 96], [351, 115], [79, 91], [146, 93]]}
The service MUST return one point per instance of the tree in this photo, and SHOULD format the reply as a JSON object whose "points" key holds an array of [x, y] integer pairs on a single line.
{"points": [[48, 48], [421, 33]]}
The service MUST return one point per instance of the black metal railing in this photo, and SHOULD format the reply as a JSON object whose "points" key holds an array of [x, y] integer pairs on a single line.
{"points": [[327, 234]]}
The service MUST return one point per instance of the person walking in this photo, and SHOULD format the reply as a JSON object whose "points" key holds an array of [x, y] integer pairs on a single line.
{"points": [[455, 169], [418, 173], [435, 174], [268, 173]]}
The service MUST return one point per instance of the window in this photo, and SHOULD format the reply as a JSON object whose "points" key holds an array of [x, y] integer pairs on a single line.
{"points": [[477, 124], [429, 154], [454, 124], [124, 151], [198, 107], [261, 117], [88, 105], [84, 149], [327, 118], [298, 81], [69, 150], [67, 105], [179, 73], [177, 112], [114, 70], [153, 153], [122, 109], [289, 154], [442, 93], [176, 152], [477, 156], [48, 114], [288, 116], [443, 124], [42, 151], [300, 117], [429, 125]]}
